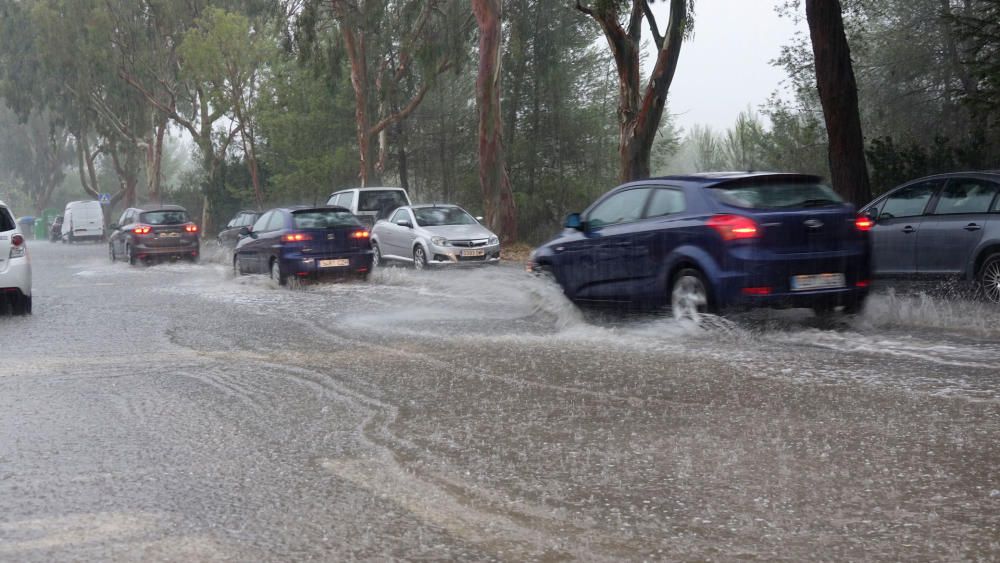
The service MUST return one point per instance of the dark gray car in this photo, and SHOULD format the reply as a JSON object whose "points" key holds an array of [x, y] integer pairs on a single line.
{"points": [[946, 225], [230, 235]]}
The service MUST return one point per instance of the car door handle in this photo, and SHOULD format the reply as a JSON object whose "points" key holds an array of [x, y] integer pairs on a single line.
{"points": [[908, 229], [972, 227]]}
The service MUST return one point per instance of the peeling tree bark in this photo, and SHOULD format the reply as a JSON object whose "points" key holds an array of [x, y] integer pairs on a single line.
{"points": [[501, 211], [838, 93]]}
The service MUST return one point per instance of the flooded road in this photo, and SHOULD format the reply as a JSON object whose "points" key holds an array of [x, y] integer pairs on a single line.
{"points": [[176, 413]]}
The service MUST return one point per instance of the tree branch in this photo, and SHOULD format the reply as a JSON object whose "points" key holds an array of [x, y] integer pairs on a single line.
{"points": [[635, 20], [653, 28], [410, 107]]}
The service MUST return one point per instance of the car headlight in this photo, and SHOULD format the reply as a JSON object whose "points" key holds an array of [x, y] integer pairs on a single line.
{"points": [[494, 240], [439, 241]]}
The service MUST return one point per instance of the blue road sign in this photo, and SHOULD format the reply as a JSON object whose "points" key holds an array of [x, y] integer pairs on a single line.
{"points": [[105, 199]]}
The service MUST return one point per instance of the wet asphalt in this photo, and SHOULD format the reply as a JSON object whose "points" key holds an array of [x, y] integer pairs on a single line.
{"points": [[175, 413]]}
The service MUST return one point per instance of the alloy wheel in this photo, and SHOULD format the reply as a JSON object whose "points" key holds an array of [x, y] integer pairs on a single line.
{"points": [[990, 280], [419, 258], [376, 255]]}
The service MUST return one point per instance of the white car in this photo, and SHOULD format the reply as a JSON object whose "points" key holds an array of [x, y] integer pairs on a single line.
{"points": [[15, 266], [433, 235]]}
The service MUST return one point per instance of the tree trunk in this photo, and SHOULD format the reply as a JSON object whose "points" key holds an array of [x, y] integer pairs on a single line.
{"points": [[838, 93], [501, 212], [154, 158], [354, 42]]}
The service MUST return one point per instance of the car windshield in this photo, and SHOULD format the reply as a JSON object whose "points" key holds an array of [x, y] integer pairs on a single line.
{"points": [[377, 200], [323, 219], [776, 195], [440, 216], [166, 217]]}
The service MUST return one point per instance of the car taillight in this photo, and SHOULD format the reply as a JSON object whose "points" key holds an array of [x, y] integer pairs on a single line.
{"points": [[295, 237], [191, 228], [142, 230], [864, 223], [734, 227], [360, 234], [17, 246]]}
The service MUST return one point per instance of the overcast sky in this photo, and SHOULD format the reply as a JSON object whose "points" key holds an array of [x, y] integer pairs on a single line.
{"points": [[725, 66]]}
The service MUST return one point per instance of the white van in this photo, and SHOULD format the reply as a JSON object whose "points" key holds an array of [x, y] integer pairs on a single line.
{"points": [[370, 204], [83, 220]]}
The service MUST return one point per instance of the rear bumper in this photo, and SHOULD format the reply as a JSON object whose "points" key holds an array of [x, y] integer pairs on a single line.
{"points": [[15, 275], [309, 265], [185, 251], [765, 280]]}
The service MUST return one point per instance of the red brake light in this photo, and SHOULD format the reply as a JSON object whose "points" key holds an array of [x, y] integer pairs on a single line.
{"points": [[295, 237], [757, 291], [864, 223], [17, 240], [734, 227], [360, 234], [142, 230], [191, 228]]}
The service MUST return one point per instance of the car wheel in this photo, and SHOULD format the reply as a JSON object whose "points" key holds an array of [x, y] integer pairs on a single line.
{"points": [[130, 255], [989, 279], [20, 304], [419, 258], [237, 266], [276, 274], [689, 297], [376, 255], [111, 253]]}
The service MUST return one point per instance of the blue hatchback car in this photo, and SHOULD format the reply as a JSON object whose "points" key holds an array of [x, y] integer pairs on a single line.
{"points": [[712, 242], [304, 242]]}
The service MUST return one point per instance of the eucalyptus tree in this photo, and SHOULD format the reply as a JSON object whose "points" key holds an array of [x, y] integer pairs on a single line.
{"points": [[640, 109], [396, 50]]}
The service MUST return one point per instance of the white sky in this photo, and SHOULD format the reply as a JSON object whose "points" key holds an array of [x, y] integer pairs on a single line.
{"points": [[725, 66]]}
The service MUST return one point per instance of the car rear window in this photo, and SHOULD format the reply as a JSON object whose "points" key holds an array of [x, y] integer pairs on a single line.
{"points": [[6, 221], [776, 195], [166, 217], [323, 219], [377, 200], [440, 216]]}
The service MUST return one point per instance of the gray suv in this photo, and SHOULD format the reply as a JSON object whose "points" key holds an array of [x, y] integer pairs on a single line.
{"points": [[946, 225]]}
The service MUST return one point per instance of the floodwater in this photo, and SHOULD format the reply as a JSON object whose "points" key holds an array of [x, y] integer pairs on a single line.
{"points": [[175, 413]]}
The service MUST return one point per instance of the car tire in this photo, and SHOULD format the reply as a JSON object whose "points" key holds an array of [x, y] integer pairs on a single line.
{"points": [[111, 253], [376, 255], [689, 296], [130, 256], [276, 275], [989, 279], [419, 258], [20, 304]]}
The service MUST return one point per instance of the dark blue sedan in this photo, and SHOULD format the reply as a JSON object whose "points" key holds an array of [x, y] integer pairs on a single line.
{"points": [[712, 242], [305, 242]]}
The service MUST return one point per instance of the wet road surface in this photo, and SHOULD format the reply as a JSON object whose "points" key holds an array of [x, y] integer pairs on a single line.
{"points": [[175, 413]]}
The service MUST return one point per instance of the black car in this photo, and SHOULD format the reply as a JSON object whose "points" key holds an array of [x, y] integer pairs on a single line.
{"points": [[231, 234], [947, 225], [143, 235], [303, 242]]}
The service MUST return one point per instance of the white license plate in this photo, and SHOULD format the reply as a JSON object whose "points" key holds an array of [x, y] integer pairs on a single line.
{"points": [[339, 263], [477, 252], [817, 281], [169, 235]]}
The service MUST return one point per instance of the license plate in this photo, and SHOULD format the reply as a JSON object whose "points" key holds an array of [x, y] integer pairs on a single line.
{"points": [[169, 235], [817, 281], [477, 252], [339, 263]]}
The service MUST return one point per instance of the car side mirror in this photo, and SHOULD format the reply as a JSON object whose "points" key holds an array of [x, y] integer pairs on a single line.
{"points": [[113, 226], [406, 224], [573, 221]]}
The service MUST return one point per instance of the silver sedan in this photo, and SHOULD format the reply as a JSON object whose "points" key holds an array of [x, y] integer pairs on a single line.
{"points": [[430, 235]]}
